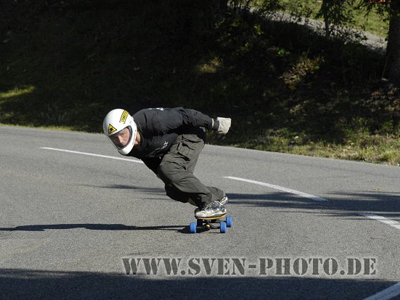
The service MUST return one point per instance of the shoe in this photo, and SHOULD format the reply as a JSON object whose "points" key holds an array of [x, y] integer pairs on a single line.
{"points": [[213, 209], [224, 200]]}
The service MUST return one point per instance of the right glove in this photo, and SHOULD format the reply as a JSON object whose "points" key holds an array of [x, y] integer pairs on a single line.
{"points": [[222, 125]]}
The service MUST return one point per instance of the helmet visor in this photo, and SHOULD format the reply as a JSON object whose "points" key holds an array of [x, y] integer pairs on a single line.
{"points": [[122, 138]]}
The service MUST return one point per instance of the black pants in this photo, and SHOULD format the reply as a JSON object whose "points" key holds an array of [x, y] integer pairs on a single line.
{"points": [[176, 171]]}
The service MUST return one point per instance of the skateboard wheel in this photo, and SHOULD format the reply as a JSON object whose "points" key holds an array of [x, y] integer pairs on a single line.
{"points": [[193, 227], [229, 221], [222, 228]]}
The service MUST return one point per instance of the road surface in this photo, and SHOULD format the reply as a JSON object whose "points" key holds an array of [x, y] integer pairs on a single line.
{"points": [[79, 221]]}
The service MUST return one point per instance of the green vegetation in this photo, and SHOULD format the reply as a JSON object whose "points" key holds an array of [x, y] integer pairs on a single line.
{"points": [[67, 63], [363, 20]]}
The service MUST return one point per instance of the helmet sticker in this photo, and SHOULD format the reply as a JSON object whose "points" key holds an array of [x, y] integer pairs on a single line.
{"points": [[124, 115], [111, 129]]}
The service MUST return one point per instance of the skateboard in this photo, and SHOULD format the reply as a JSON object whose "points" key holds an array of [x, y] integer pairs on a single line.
{"points": [[205, 224]]}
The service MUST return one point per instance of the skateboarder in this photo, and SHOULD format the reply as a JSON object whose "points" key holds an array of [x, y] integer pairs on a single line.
{"points": [[169, 142]]}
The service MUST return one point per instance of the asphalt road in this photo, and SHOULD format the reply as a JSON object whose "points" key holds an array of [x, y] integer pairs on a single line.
{"points": [[83, 225]]}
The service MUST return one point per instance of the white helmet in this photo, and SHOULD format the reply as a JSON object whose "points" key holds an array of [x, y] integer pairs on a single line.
{"points": [[117, 120]]}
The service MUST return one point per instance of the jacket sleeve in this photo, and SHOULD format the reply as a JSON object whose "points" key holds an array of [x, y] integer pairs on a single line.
{"points": [[179, 117]]}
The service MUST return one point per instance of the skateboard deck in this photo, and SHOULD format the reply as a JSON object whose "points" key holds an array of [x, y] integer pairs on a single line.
{"points": [[204, 224]]}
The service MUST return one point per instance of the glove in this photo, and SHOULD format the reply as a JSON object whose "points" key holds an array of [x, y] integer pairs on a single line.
{"points": [[222, 125]]}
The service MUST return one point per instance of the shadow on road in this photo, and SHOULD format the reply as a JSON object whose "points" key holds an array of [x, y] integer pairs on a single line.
{"points": [[128, 187], [88, 226], [339, 204], [344, 203], [387, 204], [34, 284]]}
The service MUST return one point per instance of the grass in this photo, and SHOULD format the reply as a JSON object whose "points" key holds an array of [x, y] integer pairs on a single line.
{"points": [[374, 149], [66, 64], [16, 92], [372, 22]]}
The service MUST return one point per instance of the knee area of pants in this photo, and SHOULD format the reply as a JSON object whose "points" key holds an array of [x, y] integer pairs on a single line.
{"points": [[167, 175]]}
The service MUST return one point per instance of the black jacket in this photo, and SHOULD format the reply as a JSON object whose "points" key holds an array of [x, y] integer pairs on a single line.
{"points": [[159, 128]]}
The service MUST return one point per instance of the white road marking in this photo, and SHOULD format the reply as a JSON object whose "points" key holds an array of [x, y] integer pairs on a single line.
{"points": [[384, 220], [280, 188], [387, 294], [92, 154]]}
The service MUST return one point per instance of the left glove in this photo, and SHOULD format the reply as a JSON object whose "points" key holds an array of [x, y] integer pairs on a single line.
{"points": [[222, 125]]}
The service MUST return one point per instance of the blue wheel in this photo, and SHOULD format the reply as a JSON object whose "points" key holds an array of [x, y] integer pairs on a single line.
{"points": [[193, 227], [222, 228], [229, 221]]}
